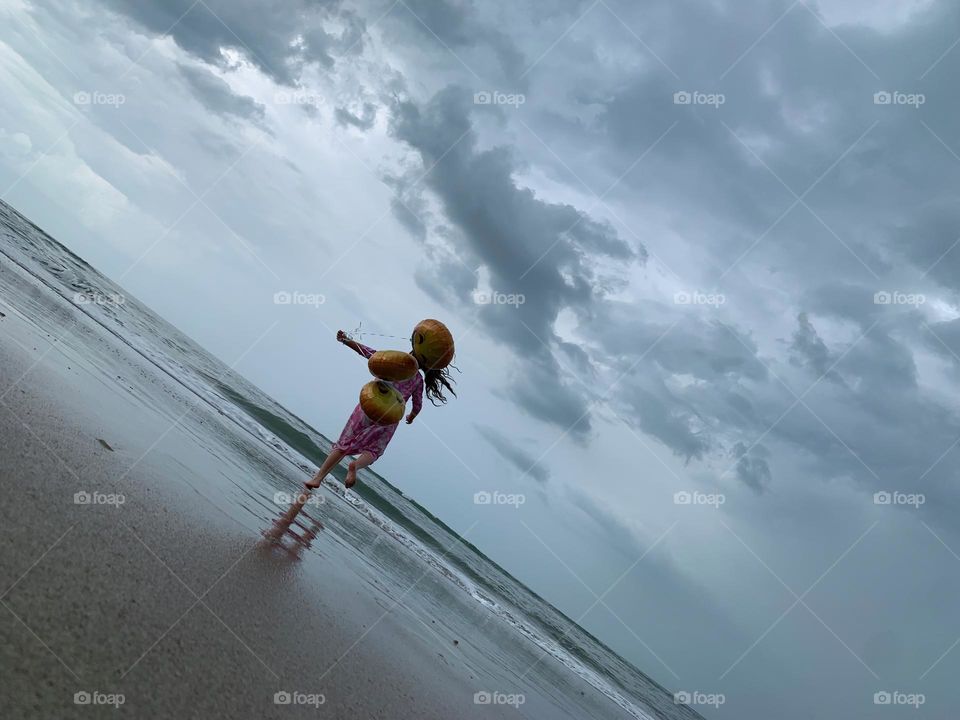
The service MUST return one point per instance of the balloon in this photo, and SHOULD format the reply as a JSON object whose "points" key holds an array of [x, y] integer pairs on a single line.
{"points": [[393, 365], [432, 345], [382, 403]]}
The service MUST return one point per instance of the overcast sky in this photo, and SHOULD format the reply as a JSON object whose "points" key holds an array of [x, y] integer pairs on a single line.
{"points": [[704, 247]]}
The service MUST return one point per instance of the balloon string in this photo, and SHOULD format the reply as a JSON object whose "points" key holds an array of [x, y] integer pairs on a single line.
{"points": [[358, 334]]}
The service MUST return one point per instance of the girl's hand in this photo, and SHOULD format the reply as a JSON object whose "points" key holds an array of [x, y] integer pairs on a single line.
{"points": [[341, 336], [410, 418]]}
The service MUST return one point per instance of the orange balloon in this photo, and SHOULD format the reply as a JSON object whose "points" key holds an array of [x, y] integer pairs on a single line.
{"points": [[393, 365], [432, 345], [382, 402]]}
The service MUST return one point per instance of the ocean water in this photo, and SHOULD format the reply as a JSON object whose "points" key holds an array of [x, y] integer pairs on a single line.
{"points": [[375, 507]]}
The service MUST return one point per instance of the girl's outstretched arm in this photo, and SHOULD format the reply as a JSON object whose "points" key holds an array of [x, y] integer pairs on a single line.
{"points": [[353, 345]]}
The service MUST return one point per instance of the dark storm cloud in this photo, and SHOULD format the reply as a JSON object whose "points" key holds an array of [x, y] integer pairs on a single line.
{"points": [[752, 467], [810, 350], [444, 277], [542, 390], [843, 300], [799, 111], [793, 106], [650, 345], [943, 338], [363, 120], [524, 461], [932, 242], [544, 252], [279, 36], [458, 27], [677, 339], [217, 95]]}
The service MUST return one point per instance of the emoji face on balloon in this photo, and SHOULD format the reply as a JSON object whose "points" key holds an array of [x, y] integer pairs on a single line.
{"points": [[432, 345], [382, 403]]}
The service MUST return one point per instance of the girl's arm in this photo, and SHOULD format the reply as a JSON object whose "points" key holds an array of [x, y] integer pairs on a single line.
{"points": [[417, 398], [353, 345]]}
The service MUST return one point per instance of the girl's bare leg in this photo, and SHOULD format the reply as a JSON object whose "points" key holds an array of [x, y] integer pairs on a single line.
{"points": [[363, 459], [333, 458]]}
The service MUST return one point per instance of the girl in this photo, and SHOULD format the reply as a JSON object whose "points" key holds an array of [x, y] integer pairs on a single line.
{"points": [[367, 440]]}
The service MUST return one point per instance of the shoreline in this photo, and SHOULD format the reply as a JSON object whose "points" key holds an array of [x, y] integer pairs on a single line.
{"points": [[169, 598]]}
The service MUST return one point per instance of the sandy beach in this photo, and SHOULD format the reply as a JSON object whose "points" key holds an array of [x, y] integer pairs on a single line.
{"points": [[133, 571]]}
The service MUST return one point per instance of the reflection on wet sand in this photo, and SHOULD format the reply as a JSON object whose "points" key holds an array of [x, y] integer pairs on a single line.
{"points": [[283, 534]]}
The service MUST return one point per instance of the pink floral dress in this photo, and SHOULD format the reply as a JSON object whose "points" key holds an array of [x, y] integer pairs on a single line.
{"points": [[361, 435]]}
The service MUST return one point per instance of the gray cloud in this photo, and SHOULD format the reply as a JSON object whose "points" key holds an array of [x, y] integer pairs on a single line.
{"points": [[217, 95], [280, 37], [752, 467], [810, 349], [459, 28], [525, 462], [362, 121], [544, 251]]}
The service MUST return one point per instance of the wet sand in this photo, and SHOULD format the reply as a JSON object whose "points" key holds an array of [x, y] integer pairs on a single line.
{"points": [[171, 599]]}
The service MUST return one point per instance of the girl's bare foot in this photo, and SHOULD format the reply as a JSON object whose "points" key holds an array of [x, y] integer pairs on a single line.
{"points": [[351, 479], [313, 484]]}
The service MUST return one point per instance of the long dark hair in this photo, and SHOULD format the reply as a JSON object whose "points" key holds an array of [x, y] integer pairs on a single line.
{"points": [[436, 380]]}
